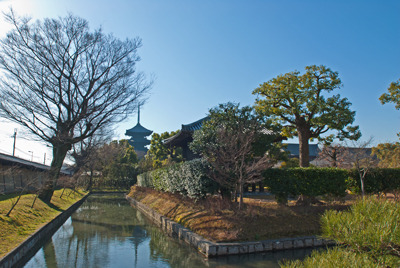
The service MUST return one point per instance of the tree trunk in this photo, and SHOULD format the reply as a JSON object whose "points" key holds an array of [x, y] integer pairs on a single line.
{"points": [[241, 185], [48, 187], [334, 156], [304, 152], [90, 183], [304, 161], [362, 176]]}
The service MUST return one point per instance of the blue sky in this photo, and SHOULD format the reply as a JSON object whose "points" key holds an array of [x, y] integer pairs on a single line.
{"points": [[203, 53]]}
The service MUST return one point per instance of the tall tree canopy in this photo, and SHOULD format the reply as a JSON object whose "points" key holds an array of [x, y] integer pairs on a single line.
{"points": [[120, 164], [393, 94], [388, 154], [56, 74], [298, 103]]}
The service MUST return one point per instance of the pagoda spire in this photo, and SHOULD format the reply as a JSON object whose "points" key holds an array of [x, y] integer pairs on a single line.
{"points": [[138, 136], [138, 114]]}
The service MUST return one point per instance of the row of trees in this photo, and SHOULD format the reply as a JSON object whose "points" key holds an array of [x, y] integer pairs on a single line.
{"points": [[111, 165], [67, 85]]}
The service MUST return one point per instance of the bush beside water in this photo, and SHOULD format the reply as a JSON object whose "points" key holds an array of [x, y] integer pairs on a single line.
{"points": [[187, 178], [190, 179]]}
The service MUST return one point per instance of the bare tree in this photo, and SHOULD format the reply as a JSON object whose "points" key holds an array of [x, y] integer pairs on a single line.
{"points": [[58, 74], [359, 156], [86, 153], [232, 163], [236, 144], [332, 154]]}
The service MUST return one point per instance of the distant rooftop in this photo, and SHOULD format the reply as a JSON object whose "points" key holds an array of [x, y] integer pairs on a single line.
{"points": [[195, 125], [13, 160], [293, 149]]}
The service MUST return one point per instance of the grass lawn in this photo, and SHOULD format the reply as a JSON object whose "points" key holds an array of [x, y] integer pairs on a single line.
{"points": [[24, 220], [219, 220]]}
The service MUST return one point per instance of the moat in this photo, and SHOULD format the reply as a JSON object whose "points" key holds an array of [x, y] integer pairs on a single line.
{"points": [[107, 232]]}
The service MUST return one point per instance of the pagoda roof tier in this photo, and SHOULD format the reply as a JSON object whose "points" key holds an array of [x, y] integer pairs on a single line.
{"points": [[138, 129], [139, 143]]}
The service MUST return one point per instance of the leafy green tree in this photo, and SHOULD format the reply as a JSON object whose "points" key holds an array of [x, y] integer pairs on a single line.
{"points": [[238, 144], [160, 154], [298, 102], [393, 95], [120, 164], [388, 154]]}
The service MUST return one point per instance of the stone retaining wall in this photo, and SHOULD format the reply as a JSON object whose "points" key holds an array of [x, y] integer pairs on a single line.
{"points": [[18, 256], [211, 249]]}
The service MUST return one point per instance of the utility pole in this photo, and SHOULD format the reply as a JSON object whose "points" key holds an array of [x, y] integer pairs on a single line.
{"points": [[15, 138], [44, 159]]}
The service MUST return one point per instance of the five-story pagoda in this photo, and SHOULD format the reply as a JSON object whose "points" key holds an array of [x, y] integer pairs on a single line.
{"points": [[138, 138]]}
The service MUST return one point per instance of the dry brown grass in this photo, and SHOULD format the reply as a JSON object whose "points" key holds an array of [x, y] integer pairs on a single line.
{"points": [[219, 220]]}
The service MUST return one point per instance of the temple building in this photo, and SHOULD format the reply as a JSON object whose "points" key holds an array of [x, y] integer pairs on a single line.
{"points": [[138, 138], [184, 137]]}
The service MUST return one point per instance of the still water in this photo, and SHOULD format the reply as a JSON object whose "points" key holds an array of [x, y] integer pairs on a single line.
{"points": [[107, 232]]}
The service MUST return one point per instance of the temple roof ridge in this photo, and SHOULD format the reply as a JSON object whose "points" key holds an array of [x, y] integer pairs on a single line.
{"points": [[195, 125]]}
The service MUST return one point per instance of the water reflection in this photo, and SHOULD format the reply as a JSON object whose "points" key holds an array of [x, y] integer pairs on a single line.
{"points": [[106, 232]]}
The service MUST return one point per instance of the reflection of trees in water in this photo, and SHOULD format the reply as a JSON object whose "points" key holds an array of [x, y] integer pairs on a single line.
{"points": [[179, 254], [84, 241], [165, 248], [103, 226]]}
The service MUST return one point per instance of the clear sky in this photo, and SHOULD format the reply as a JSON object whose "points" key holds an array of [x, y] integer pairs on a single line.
{"points": [[207, 52]]}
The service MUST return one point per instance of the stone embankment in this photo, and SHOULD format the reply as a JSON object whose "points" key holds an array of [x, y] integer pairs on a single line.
{"points": [[211, 249]]}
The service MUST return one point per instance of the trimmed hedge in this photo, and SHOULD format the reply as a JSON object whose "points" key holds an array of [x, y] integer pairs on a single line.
{"points": [[190, 179], [187, 178], [377, 180], [310, 182]]}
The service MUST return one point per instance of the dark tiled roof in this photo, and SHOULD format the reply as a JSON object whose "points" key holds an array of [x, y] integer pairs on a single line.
{"points": [[138, 129], [195, 125], [185, 133]]}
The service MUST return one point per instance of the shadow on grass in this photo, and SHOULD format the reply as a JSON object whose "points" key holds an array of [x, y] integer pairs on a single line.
{"points": [[55, 207], [8, 196]]}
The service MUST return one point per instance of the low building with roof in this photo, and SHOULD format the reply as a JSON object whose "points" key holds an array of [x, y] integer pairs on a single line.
{"points": [[184, 137], [138, 138], [294, 151], [18, 174]]}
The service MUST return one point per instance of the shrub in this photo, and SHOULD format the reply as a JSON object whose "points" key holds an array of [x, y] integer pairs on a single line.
{"points": [[310, 182], [335, 257], [369, 234], [377, 180], [187, 178]]}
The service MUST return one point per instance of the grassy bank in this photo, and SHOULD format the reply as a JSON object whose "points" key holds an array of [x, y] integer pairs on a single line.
{"points": [[220, 221], [24, 220]]}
